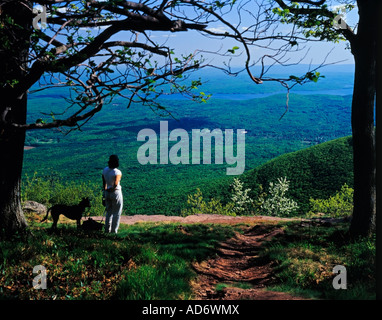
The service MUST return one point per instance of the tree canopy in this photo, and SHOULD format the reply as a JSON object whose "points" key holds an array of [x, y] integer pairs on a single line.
{"points": [[79, 44]]}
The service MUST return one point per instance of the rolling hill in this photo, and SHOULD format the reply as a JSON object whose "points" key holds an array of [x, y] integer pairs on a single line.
{"points": [[316, 172]]}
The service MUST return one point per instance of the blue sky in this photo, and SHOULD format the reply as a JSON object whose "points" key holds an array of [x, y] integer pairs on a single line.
{"points": [[185, 43], [192, 41], [188, 42]]}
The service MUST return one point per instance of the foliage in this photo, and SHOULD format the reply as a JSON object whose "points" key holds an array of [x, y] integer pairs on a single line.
{"points": [[36, 189], [240, 198], [318, 23], [339, 205], [317, 172], [196, 205], [310, 177], [79, 265], [276, 202], [51, 190]]}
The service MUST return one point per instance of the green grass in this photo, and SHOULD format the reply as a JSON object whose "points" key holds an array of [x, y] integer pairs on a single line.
{"points": [[144, 261], [304, 258], [153, 261], [242, 285]]}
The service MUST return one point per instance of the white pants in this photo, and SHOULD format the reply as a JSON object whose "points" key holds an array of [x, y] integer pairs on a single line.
{"points": [[114, 204]]}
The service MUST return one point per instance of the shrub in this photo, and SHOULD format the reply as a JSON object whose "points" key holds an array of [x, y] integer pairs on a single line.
{"points": [[339, 205], [196, 204], [241, 201], [51, 191], [276, 202], [36, 189]]}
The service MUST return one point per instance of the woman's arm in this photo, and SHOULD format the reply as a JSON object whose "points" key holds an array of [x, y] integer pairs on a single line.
{"points": [[117, 180], [103, 182]]}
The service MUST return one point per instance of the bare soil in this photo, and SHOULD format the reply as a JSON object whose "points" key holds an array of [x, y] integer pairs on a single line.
{"points": [[199, 218], [238, 268]]}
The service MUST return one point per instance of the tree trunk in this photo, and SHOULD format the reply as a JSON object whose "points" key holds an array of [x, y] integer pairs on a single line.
{"points": [[363, 125], [14, 46], [12, 219]]}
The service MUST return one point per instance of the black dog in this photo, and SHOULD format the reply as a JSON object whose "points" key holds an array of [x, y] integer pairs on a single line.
{"points": [[74, 212], [92, 225]]}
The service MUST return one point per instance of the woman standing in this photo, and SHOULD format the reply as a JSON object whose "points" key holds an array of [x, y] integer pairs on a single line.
{"points": [[111, 177]]}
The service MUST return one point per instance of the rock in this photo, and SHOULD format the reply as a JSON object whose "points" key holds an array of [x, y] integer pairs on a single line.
{"points": [[33, 206]]}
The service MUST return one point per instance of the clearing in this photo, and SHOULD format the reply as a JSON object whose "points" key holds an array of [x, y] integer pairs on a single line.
{"points": [[236, 272]]}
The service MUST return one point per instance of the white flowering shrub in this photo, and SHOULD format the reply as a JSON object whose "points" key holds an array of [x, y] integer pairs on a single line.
{"points": [[240, 198], [276, 202]]}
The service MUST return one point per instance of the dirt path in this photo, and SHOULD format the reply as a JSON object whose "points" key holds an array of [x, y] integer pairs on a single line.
{"points": [[239, 270], [198, 218]]}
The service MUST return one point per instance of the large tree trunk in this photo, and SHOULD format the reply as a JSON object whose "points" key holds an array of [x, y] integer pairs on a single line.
{"points": [[363, 126], [12, 219], [13, 56]]}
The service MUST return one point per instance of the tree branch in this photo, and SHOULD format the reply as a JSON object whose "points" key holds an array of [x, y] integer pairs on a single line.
{"points": [[347, 32], [135, 45]]}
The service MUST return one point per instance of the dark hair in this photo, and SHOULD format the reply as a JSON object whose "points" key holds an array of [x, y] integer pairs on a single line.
{"points": [[113, 161]]}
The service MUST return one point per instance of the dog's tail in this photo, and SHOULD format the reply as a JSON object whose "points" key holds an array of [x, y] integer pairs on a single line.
{"points": [[47, 214]]}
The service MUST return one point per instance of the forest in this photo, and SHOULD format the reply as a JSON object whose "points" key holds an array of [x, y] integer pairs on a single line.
{"points": [[80, 156]]}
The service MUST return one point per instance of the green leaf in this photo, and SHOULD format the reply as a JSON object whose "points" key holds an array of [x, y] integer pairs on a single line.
{"points": [[219, 4], [233, 49], [40, 121]]}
